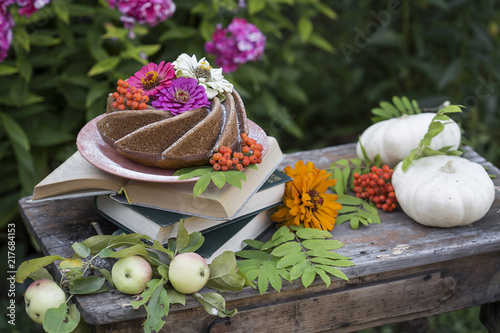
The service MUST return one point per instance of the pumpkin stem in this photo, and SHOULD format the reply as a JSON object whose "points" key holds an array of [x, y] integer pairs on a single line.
{"points": [[448, 168]]}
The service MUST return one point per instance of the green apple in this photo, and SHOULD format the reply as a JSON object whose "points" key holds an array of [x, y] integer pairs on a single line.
{"points": [[131, 274], [188, 272], [41, 295]]}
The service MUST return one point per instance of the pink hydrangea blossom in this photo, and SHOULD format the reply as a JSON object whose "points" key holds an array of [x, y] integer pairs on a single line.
{"points": [[183, 95], [149, 12], [6, 25], [240, 43], [28, 7], [152, 77]]}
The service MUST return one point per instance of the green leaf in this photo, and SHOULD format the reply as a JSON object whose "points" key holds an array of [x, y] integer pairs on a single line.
{"points": [[30, 266], [201, 184], [218, 178], [15, 131], [81, 249], [326, 254], [389, 108], [326, 279], [253, 254], [234, 177], [311, 233], [299, 269], [151, 286], [157, 310], [305, 27], [339, 186], [333, 271], [196, 240], [182, 239], [322, 244], [86, 285], [177, 33], [104, 66], [215, 304], [192, 172], [58, 320], [224, 274], [344, 217], [291, 259], [308, 276], [7, 70], [349, 200], [286, 248], [134, 250], [272, 275], [41, 273]]}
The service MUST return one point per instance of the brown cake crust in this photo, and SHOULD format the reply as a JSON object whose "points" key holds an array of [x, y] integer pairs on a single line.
{"points": [[156, 138]]}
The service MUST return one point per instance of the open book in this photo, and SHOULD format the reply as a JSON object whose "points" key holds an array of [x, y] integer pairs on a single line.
{"points": [[78, 177]]}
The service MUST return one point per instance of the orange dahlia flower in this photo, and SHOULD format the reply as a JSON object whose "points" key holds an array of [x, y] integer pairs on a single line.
{"points": [[305, 199]]}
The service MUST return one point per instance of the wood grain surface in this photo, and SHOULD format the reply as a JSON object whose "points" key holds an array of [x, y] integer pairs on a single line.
{"points": [[402, 271]]}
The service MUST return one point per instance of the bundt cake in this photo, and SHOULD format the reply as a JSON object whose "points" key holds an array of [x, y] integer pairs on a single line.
{"points": [[159, 139], [180, 125]]}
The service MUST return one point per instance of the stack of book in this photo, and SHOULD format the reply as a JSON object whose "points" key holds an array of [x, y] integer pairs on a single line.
{"points": [[225, 216]]}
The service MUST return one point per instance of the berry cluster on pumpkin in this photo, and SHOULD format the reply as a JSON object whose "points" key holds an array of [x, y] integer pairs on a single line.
{"points": [[376, 186], [225, 159]]}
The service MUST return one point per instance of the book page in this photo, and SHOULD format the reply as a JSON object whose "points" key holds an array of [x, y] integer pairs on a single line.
{"points": [[77, 174]]}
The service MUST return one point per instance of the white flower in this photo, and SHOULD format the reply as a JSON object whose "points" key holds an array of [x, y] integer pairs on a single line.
{"points": [[210, 78]]}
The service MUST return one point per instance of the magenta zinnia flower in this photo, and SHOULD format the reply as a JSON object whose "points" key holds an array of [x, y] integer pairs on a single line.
{"points": [[241, 42], [6, 25], [152, 77], [149, 12], [183, 95]]}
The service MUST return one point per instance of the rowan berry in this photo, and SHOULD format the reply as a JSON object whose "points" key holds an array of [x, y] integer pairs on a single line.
{"points": [[217, 166], [222, 161], [376, 187], [224, 168], [245, 149], [212, 161], [252, 159], [227, 155], [239, 166]]}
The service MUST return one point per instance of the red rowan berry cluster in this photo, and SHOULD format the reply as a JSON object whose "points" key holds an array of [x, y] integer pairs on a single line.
{"points": [[225, 159], [376, 186], [125, 95]]}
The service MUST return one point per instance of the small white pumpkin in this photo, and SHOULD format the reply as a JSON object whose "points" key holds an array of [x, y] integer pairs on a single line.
{"points": [[443, 191], [395, 138]]}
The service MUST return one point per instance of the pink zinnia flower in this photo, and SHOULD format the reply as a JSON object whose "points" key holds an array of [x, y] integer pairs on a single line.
{"points": [[183, 95], [152, 77], [241, 42], [149, 12], [6, 25]]}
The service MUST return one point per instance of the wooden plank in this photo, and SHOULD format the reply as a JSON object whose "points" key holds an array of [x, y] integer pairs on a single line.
{"points": [[390, 251]]}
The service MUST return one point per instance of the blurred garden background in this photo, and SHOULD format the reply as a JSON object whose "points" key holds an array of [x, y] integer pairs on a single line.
{"points": [[324, 66]]}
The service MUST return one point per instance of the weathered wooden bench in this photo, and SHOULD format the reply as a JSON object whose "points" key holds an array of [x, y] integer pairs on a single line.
{"points": [[403, 271]]}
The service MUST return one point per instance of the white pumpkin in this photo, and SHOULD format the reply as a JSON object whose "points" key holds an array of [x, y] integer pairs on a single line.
{"points": [[395, 138], [443, 191]]}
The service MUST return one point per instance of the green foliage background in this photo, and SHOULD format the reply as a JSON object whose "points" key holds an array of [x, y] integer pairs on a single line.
{"points": [[327, 63]]}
